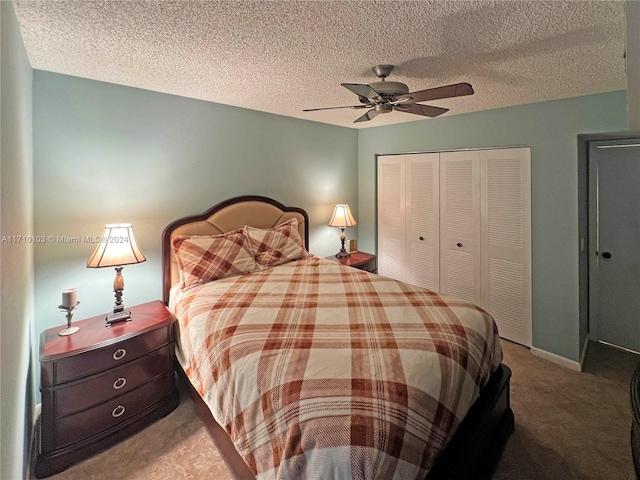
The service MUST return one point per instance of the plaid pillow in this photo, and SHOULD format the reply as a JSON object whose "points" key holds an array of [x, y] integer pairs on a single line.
{"points": [[276, 245], [202, 259]]}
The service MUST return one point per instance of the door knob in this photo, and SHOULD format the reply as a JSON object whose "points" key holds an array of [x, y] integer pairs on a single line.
{"points": [[606, 255], [421, 238], [458, 244]]}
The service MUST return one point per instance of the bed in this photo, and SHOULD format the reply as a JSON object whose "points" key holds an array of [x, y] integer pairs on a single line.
{"points": [[305, 368]]}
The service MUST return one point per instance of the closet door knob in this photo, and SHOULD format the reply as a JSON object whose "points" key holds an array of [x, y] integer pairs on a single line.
{"points": [[421, 238], [458, 244]]}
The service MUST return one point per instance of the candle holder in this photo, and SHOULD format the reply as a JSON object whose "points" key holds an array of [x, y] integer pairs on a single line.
{"points": [[69, 330]]}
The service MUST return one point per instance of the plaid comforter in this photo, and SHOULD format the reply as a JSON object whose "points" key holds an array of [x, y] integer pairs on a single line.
{"points": [[317, 370]]}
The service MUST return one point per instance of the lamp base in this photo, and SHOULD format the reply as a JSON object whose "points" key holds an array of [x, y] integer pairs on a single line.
{"points": [[119, 314], [343, 251], [117, 317]]}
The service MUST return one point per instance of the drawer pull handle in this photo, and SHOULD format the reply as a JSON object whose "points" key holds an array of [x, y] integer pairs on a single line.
{"points": [[119, 410], [119, 353], [119, 383]]}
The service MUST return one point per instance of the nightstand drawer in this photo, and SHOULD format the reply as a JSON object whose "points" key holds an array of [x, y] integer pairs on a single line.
{"points": [[80, 395], [73, 428], [101, 359]]}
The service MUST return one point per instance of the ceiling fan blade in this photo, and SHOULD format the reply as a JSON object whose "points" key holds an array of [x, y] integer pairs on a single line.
{"points": [[332, 108], [424, 110], [362, 90], [367, 116], [447, 91]]}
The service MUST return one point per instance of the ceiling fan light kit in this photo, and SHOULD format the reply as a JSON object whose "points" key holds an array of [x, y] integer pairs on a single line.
{"points": [[385, 97]]}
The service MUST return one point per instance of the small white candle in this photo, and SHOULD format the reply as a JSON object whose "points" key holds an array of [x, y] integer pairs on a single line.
{"points": [[70, 297]]}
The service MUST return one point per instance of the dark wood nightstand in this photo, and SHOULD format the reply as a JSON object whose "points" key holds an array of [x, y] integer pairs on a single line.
{"points": [[360, 260], [103, 384]]}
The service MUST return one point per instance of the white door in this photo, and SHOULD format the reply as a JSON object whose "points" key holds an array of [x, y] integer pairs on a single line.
{"points": [[391, 212], [460, 225], [506, 240], [422, 261], [615, 287]]}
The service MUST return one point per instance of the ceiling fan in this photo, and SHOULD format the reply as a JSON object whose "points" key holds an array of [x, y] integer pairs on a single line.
{"points": [[384, 97]]}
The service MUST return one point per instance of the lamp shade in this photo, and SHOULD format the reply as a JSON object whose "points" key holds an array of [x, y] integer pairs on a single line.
{"points": [[117, 247], [342, 217]]}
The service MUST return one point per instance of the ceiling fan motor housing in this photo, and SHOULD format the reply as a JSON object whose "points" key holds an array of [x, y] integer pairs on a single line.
{"points": [[390, 88]]}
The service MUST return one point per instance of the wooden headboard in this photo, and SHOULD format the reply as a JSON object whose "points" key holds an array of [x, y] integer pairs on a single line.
{"points": [[234, 213]]}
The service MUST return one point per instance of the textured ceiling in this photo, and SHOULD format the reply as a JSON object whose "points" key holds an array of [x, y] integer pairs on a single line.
{"points": [[284, 56]]}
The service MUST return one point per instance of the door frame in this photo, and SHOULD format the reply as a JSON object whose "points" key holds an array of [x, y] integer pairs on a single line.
{"points": [[593, 206]]}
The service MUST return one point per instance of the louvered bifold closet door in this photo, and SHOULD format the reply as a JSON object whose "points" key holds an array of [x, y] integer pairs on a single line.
{"points": [[422, 263], [506, 240], [460, 225], [391, 213]]}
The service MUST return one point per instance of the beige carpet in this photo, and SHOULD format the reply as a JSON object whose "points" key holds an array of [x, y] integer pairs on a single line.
{"points": [[569, 425]]}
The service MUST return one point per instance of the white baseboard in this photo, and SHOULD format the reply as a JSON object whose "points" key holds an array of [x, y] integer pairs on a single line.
{"points": [[562, 361]]}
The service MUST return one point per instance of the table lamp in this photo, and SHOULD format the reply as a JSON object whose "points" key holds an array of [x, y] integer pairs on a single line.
{"points": [[342, 218], [117, 248]]}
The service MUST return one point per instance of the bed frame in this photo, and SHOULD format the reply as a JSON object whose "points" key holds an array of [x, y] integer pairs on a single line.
{"points": [[474, 450]]}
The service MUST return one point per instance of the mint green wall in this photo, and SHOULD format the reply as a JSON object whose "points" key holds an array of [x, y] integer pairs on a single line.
{"points": [[551, 129], [16, 259], [106, 153]]}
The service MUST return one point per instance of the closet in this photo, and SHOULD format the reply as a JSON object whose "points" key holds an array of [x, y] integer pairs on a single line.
{"points": [[459, 223]]}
